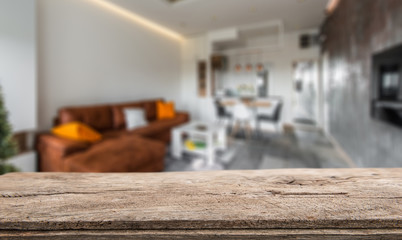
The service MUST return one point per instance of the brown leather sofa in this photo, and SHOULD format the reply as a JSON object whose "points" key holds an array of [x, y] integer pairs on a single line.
{"points": [[120, 150]]}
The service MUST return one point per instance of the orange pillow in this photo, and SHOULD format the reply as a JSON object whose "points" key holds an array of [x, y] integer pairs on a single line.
{"points": [[77, 131], [165, 110]]}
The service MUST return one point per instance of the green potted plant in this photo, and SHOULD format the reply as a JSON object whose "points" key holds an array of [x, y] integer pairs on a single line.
{"points": [[8, 146]]}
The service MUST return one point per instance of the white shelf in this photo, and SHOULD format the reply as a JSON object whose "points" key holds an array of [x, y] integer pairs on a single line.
{"points": [[195, 151]]}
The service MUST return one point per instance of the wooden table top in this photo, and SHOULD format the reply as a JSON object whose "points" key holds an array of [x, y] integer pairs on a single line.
{"points": [[248, 103], [309, 203]]}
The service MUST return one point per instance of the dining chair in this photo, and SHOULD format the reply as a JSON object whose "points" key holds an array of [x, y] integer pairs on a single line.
{"points": [[221, 111], [242, 117], [273, 118]]}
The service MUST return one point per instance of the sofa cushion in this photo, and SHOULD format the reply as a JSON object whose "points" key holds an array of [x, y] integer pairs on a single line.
{"points": [[150, 109], [125, 154], [152, 129], [118, 111], [60, 146], [114, 133], [135, 118], [97, 117], [77, 131], [165, 110], [156, 127]]}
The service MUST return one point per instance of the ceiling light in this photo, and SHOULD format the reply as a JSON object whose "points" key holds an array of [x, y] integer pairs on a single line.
{"points": [[137, 18]]}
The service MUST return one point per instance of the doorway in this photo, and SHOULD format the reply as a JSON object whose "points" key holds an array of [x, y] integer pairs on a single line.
{"points": [[305, 93]]}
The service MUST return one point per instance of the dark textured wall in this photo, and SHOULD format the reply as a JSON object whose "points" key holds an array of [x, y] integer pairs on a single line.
{"points": [[356, 30]]}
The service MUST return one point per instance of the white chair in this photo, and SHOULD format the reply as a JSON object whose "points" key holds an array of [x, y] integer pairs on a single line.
{"points": [[242, 117]]}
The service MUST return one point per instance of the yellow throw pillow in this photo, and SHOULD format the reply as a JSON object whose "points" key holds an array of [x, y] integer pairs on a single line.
{"points": [[77, 131], [165, 110]]}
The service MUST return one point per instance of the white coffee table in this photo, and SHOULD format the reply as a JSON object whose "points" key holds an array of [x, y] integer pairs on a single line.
{"points": [[212, 134]]}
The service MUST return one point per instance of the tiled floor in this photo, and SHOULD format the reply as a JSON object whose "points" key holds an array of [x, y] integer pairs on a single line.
{"points": [[303, 149]]}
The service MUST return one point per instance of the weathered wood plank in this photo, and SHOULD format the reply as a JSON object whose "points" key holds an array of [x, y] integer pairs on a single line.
{"points": [[272, 234], [359, 202]]}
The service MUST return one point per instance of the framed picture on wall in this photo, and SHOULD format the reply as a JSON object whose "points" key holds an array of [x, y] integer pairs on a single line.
{"points": [[202, 78]]}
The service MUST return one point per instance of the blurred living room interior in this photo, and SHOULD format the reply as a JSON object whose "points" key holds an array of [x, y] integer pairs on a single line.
{"points": [[195, 85]]}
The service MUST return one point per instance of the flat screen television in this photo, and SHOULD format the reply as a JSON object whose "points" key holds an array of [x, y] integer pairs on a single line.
{"points": [[387, 85]]}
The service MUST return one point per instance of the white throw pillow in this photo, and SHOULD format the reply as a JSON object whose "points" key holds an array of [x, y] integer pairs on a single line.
{"points": [[135, 118]]}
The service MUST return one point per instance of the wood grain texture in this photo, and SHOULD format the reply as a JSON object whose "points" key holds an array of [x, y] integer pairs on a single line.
{"points": [[389, 234], [338, 203]]}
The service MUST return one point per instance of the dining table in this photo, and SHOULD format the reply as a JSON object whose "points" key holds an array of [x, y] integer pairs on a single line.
{"points": [[248, 102], [243, 112]]}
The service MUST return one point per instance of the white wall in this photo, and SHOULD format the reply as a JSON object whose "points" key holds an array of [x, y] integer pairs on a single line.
{"points": [[18, 77], [279, 60], [18, 62], [281, 80], [194, 50], [88, 55]]}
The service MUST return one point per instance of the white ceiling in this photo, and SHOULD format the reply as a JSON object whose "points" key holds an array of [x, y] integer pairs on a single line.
{"points": [[192, 17]]}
